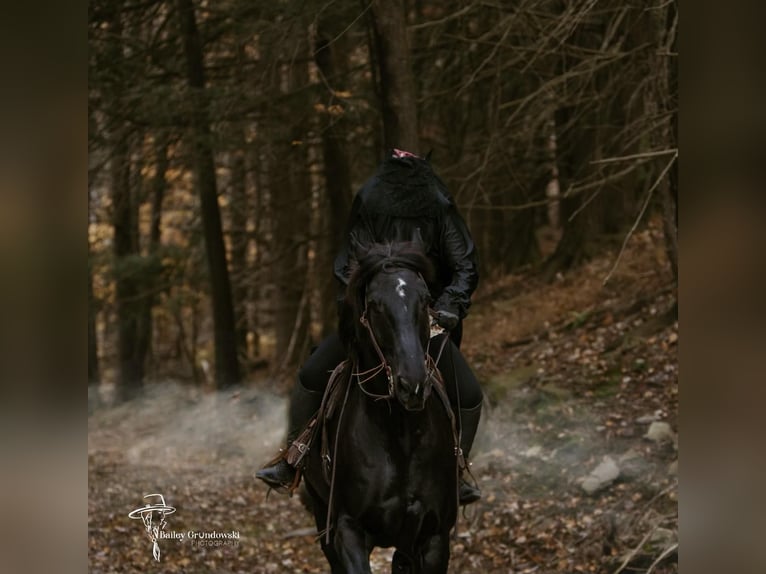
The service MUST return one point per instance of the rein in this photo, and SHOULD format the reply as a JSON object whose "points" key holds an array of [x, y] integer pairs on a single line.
{"points": [[363, 377], [373, 372], [370, 374], [433, 373]]}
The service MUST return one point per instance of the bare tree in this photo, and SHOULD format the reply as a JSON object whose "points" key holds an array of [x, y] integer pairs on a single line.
{"points": [[152, 271], [485, 86], [226, 361], [330, 55], [124, 223], [397, 84]]}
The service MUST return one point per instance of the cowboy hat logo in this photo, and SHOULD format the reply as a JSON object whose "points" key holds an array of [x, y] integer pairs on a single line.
{"points": [[153, 517]]}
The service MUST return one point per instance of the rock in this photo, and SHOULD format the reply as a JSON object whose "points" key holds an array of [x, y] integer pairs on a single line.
{"points": [[660, 432], [533, 451], [633, 466], [601, 476], [673, 468], [646, 419]]}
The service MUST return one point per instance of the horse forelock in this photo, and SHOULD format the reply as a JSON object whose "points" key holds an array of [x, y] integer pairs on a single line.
{"points": [[381, 257], [385, 256]]}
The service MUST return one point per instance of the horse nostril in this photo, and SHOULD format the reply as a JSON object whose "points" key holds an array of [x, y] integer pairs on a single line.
{"points": [[409, 388]]}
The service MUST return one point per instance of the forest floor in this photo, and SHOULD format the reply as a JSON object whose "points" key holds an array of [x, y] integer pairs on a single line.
{"points": [[576, 455]]}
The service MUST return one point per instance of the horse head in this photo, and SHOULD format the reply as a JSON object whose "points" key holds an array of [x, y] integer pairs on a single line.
{"points": [[389, 298]]}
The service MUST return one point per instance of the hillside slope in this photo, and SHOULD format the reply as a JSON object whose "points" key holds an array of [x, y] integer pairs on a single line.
{"points": [[576, 456]]}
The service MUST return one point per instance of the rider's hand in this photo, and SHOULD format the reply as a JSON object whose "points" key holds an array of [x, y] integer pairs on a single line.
{"points": [[446, 319]]}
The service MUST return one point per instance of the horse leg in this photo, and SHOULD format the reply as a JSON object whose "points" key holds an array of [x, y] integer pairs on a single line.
{"points": [[435, 553], [332, 558], [336, 567], [351, 546], [318, 508]]}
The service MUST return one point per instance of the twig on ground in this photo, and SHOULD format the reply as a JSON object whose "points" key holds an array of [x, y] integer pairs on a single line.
{"points": [[667, 552], [632, 553]]}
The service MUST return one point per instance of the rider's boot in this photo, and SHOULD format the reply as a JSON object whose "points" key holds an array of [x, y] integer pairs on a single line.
{"points": [[303, 404], [469, 419]]}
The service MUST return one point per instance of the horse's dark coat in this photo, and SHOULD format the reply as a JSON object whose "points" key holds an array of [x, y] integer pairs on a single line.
{"points": [[396, 469]]}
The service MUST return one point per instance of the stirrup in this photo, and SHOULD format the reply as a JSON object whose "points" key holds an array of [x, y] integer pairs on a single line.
{"points": [[279, 476]]}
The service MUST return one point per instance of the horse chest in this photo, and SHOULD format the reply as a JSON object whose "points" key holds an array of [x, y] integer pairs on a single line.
{"points": [[395, 460]]}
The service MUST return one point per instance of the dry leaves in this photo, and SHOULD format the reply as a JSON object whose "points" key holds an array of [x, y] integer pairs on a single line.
{"points": [[594, 369]]}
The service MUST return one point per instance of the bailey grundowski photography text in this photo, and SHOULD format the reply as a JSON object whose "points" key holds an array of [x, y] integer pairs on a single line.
{"points": [[198, 536]]}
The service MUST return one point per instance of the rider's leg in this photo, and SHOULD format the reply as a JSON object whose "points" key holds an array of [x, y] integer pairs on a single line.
{"points": [[464, 393], [305, 399], [456, 335], [469, 419]]}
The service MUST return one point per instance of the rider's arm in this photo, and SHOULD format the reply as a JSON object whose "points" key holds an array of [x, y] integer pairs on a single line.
{"points": [[459, 253], [345, 258], [357, 234]]}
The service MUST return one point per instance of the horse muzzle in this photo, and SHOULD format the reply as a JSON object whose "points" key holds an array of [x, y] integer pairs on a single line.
{"points": [[412, 395]]}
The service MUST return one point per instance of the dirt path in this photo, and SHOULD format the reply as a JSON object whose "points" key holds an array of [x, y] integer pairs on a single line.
{"points": [[576, 375]]}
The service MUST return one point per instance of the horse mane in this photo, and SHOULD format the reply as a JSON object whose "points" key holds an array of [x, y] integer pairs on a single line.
{"points": [[378, 257]]}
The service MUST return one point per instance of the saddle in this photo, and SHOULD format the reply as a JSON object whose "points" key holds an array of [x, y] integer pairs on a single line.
{"points": [[295, 454], [334, 396]]}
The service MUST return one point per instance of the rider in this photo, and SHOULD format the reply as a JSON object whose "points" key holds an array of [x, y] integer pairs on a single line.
{"points": [[405, 198]]}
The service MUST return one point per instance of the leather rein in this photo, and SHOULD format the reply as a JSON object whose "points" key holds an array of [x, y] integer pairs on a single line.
{"points": [[384, 366], [363, 377], [433, 373]]}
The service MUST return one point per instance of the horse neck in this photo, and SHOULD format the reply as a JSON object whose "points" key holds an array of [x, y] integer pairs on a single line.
{"points": [[387, 417]]}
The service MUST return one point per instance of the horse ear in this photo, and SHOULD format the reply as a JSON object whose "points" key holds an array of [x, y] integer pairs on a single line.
{"points": [[428, 155]]}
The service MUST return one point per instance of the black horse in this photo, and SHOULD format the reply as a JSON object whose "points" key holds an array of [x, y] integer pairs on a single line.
{"points": [[388, 477]]}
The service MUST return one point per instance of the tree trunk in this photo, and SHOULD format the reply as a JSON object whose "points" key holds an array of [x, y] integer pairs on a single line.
{"points": [[331, 61], [154, 267], [291, 232], [260, 159], [129, 372], [93, 366], [577, 143], [397, 84], [239, 212], [670, 91], [291, 209], [582, 128], [124, 215], [226, 362]]}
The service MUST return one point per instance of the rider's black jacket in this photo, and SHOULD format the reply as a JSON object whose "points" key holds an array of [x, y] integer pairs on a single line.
{"points": [[405, 198]]}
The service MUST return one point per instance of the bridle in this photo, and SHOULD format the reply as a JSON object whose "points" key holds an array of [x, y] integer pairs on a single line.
{"points": [[384, 365], [370, 374], [363, 377]]}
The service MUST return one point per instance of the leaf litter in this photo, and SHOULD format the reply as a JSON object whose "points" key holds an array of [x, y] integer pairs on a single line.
{"points": [[575, 373]]}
